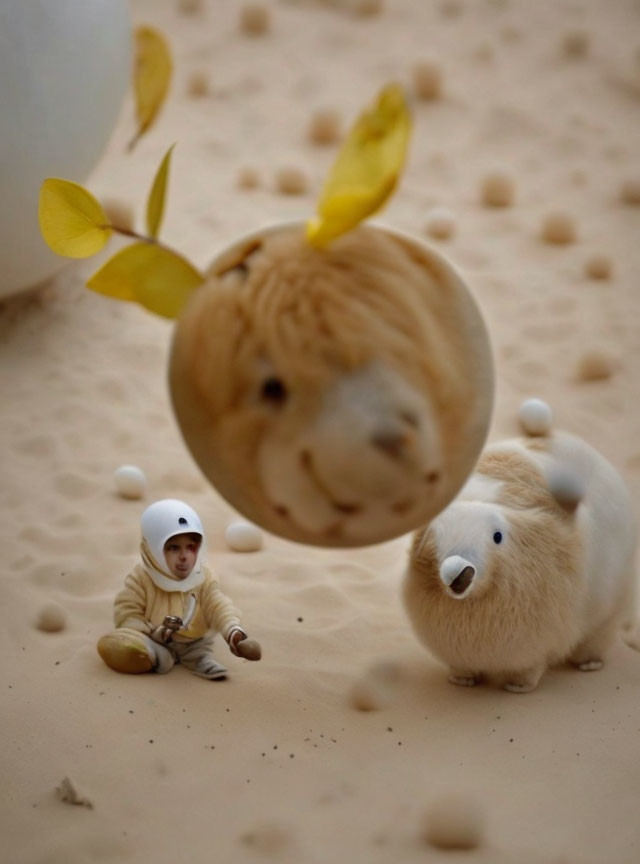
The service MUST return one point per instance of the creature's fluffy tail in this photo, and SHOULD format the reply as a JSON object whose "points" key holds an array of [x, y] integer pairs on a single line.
{"points": [[535, 417]]}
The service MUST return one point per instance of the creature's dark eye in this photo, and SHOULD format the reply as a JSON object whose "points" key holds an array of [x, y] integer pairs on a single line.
{"points": [[273, 390], [497, 537]]}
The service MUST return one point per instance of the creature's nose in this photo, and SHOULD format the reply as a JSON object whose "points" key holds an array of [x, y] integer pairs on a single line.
{"points": [[457, 573]]}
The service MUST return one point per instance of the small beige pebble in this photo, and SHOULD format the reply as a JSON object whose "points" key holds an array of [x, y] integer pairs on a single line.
{"points": [[130, 481], [596, 365], [630, 192], [248, 178], [451, 8], [267, 839], [325, 126], [598, 267], [369, 695], [243, 536], [51, 618], [198, 84], [440, 223], [70, 794], [367, 7], [498, 188], [291, 181], [191, 7], [427, 78], [454, 822], [119, 213], [255, 19], [575, 43], [559, 228], [484, 52]]}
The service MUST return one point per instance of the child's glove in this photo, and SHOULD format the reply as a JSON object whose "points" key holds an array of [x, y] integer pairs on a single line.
{"points": [[242, 646]]}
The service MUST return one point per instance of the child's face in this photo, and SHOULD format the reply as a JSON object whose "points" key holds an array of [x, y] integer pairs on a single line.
{"points": [[180, 553]]}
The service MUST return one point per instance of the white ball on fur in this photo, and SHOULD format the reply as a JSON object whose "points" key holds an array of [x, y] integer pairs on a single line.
{"points": [[130, 481], [535, 417], [243, 536]]}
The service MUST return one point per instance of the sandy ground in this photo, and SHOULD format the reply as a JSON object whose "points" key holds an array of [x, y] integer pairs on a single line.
{"points": [[276, 764]]}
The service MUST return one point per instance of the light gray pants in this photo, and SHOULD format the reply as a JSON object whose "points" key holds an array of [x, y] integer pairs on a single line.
{"points": [[196, 655]]}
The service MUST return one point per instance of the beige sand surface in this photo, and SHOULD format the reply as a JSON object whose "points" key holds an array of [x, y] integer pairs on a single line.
{"points": [[275, 764]]}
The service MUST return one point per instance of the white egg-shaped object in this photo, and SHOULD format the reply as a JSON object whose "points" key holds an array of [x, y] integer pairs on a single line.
{"points": [[130, 481], [243, 536], [64, 70]]}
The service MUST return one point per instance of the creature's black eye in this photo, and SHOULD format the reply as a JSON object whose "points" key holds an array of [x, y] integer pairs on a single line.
{"points": [[497, 537], [273, 390]]}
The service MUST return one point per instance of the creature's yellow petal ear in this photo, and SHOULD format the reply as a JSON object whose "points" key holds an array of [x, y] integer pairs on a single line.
{"points": [[151, 275], [367, 168], [151, 77], [72, 221]]}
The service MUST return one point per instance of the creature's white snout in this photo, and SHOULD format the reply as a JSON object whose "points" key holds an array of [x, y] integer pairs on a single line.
{"points": [[457, 574]]}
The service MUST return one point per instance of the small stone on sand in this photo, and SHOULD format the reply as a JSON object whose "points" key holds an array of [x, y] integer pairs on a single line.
{"points": [[598, 267], [291, 181], [198, 84], [367, 7], [191, 7], [498, 188], [440, 223], [630, 192], [267, 839], [454, 822], [596, 365], [325, 126], [130, 481], [248, 178], [427, 79], [559, 228], [51, 618], [255, 19], [576, 43], [243, 536], [70, 794]]}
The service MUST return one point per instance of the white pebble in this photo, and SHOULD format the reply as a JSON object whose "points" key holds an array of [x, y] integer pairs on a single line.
{"points": [[596, 365], [325, 126], [51, 618], [454, 822], [255, 19], [576, 43], [535, 417], [198, 84], [441, 223], [242, 536], [630, 192], [598, 267], [130, 481], [291, 181], [427, 79], [248, 178], [498, 188], [559, 228]]}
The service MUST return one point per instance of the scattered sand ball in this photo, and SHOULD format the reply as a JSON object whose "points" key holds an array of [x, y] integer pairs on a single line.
{"points": [[325, 126], [70, 794], [248, 178], [484, 52], [498, 188], [559, 228], [291, 181], [243, 536], [267, 839], [118, 212], [130, 481], [441, 223], [367, 7], [198, 84], [576, 43], [598, 267], [191, 7], [51, 618], [454, 822], [535, 417], [255, 19], [377, 687], [427, 78], [596, 365], [630, 192]]}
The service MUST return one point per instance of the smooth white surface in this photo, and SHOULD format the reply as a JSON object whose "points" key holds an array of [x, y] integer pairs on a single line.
{"points": [[243, 536], [64, 70], [130, 481]]}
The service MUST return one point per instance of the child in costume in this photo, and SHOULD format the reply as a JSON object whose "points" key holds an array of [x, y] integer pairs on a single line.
{"points": [[171, 606]]}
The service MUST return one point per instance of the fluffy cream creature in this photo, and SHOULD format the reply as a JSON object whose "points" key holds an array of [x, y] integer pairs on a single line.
{"points": [[335, 396], [532, 565]]}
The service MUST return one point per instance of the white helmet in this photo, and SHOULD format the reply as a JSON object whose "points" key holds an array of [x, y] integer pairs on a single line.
{"points": [[160, 521]]}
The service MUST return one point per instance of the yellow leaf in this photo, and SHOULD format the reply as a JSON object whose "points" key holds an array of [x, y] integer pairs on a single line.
{"points": [[152, 76], [72, 222], [155, 203], [151, 275], [367, 167]]}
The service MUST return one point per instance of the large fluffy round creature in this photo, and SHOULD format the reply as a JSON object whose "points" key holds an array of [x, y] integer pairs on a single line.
{"points": [[335, 396], [531, 565]]}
